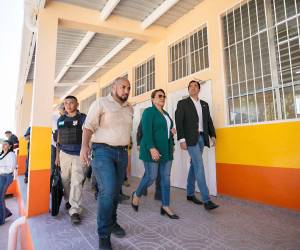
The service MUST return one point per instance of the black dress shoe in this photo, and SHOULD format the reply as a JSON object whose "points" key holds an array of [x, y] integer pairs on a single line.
{"points": [[210, 205], [194, 199], [118, 231], [171, 216], [105, 244], [8, 214], [135, 207], [67, 206], [123, 197]]}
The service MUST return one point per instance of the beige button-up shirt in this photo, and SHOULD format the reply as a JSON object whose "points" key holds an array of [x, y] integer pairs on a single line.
{"points": [[110, 122]]}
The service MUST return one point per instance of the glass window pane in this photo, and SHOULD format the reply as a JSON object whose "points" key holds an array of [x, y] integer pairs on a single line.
{"points": [[241, 64], [290, 8], [206, 58], [252, 108], [238, 25], [269, 99], [253, 17], [243, 88], [230, 111], [261, 14], [245, 21], [260, 107], [233, 63], [237, 111], [244, 109], [297, 100], [289, 102]]}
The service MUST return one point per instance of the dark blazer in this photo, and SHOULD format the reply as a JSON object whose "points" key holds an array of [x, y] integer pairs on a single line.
{"points": [[155, 135], [187, 120]]}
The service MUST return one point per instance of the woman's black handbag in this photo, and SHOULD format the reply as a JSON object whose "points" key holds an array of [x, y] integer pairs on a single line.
{"points": [[57, 192]]}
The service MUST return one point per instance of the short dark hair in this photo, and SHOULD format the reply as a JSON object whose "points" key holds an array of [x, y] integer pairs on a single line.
{"points": [[198, 83], [71, 97], [8, 132], [155, 91]]}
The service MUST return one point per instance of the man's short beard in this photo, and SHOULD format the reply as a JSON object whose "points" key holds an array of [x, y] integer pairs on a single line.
{"points": [[121, 98]]}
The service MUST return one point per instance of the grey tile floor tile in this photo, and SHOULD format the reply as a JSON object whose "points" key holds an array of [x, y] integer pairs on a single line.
{"points": [[236, 224]]}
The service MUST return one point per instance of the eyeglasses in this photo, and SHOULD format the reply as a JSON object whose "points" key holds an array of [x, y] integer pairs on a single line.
{"points": [[161, 96]]}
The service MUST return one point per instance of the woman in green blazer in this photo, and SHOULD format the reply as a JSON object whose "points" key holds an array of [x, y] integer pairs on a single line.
{"points": [[156, 151]]}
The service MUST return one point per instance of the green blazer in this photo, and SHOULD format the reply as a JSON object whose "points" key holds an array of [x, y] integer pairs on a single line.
{"points": [[155, 135]]}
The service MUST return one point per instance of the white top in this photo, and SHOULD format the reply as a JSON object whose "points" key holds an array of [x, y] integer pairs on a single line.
{"points": [[168, 124], [8, 164]]}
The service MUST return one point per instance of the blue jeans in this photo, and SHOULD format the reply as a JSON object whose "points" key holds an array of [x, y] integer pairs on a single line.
{"points": [[109, 165], [5, 180], [196, 171], [150, 175]]}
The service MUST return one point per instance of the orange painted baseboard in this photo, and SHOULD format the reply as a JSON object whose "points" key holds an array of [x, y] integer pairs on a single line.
{"points": [[273, 186], [39, 191], [21, 164]]}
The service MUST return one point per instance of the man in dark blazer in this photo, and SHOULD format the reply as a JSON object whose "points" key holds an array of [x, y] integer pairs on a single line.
{"points": [[194, 127]]}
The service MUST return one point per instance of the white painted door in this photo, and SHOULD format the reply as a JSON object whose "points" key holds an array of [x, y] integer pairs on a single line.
{"points": [[137, 167], [181, 161]]}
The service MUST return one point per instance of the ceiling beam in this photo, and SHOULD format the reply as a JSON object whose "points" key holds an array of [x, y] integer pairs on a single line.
{"points": [[84, 42], [108, 9], [106, 58], [100, 64], [76, 17], [158, 12]]}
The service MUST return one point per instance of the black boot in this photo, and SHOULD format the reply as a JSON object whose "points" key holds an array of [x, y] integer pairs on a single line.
{"points": [[104, 243]]}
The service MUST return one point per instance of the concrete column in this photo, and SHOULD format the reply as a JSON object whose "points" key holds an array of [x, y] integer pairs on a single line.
{"points": [[41, 113]]}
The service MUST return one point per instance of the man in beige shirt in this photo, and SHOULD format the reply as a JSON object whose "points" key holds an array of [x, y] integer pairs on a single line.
{"points": [[108, 126]]}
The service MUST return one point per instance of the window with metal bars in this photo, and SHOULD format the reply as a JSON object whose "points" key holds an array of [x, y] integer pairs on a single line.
{"points": [[86, 103], [106, 90], [144, 77], [262, 60], [189, 55]]}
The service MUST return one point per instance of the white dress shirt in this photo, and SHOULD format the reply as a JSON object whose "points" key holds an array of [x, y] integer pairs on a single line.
{"points": [[198, 107]]}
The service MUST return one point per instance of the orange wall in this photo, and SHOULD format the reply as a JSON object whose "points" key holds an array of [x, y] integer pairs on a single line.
{"points": [[260, 163]]}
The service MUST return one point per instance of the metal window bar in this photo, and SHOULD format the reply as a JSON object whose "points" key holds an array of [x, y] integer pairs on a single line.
{"points": [[252, 62], [290, 57], [245, 71], [261, 66], [237, 67], [280, 68], [232, 119]]}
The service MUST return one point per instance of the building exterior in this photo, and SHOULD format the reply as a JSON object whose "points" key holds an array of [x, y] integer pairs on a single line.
{"points": [[247, 53]]}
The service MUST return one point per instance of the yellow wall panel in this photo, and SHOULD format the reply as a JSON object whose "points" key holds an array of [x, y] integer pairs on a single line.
{"points": [[22, 146], [270, 145], [40, 148]]}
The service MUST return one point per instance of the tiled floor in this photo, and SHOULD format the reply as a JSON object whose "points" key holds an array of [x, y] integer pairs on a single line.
{"points": [[235, 225]]}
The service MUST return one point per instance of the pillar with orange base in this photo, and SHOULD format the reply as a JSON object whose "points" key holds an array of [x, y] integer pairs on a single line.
{"points": [[41, 113]]}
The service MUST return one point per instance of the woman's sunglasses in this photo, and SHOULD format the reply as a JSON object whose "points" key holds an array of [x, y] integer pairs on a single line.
{"points": [[161, 96]]}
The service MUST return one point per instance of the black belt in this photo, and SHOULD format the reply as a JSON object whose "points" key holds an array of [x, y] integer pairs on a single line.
{"points": [[113, 147]]}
